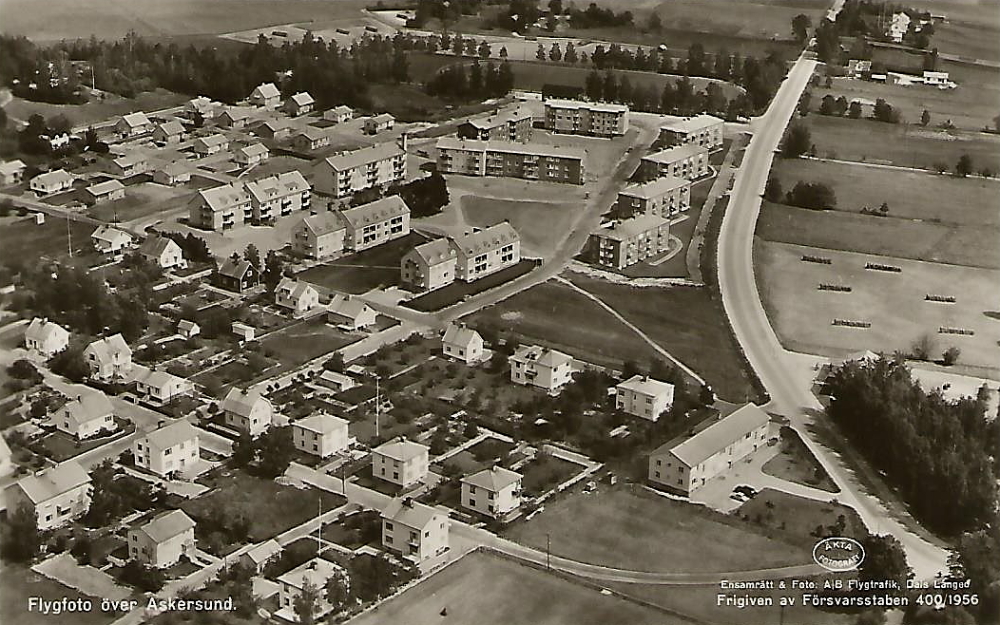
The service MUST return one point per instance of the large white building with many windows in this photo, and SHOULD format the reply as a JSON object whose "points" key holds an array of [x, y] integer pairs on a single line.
{"points": [[578, 117], [665, 197], [642, 396], [344, 174], [375, 223]]}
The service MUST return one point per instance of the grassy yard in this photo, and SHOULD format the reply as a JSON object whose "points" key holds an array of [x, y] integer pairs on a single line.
{"points": [[759, 19], [545, 473], [652, 533], [799, 518], [305, 341], [21, 238], [20, 582], [95, 110], [364, 271], [458, 291], [488, 590], [796, 463], [60, 446], [541, 224], [140, 201]]}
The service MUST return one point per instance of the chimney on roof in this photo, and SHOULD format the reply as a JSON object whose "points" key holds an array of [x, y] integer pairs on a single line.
{"points": [[314, 565], [160, 423]]}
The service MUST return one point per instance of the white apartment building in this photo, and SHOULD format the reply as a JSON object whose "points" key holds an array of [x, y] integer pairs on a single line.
{"points": [[344, 174], [644, 397]]}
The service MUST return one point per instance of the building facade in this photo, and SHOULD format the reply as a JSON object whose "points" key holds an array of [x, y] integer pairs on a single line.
{"points": [[429, 266], [665, 197], [703, 130], [683, 161], [512, 125], [415, 531], [55, 496], [278, 196], [161, 542], [173, 447], [320, 435], [644, 397], [546, 369], [221, 208], [375, 223], [400, 462], [625, 243], [586, 118], [493, 492], [319, 236], [374, 167], [511, 160]]}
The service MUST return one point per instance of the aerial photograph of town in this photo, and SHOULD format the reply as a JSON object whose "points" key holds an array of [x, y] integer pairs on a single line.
{"points": [[500, 312]]}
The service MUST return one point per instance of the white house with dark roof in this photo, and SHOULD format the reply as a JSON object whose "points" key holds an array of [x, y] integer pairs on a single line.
{"points": [[319, 236], [55, 496], [320, 435], [415, 531], [212, 144], [260, 555], [51, 182], [686, 465], [221, 207], [265, 95], [375, 223], [642, 396], [133, 125], [12, 172], [547, 369], [102, 192], [493, 492], [85, 416], [378, 166], [247, 411], [350, 313], [278, 196], [486, 251], [462, 343], [160, 543], [173, 447], [400, 462], [316, 573], [430, 265], [109, 358], [250, 155], [187, 328], [297, 296], [169, 132], [299, 104], [159, 386], [45, 337], [163, 252]]}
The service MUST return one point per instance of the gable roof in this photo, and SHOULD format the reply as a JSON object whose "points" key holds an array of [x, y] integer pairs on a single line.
{"points": [[401, 449], [487, 240], [295, 288], [350, 160], [301, 99], [343, 109], [460, 335], [494, 479], [264, 551], [167, 525], [691, 124], [375, 212], [382, 118], [655, 188], [321, 423], [103, 188], [157, 245], [53, 482], [171, 128], [224, 196], [254, 149], [108, 347], [213, 140], [316, 571], [132, 158], [602, 107], [311, 134], [89, 407], [136, 119], [633, 226], [235, 114], [235, 269], [267, 90], [42, 330], [323, 223], [541, 356], [346, 306], [410, 513], [717, 436], [172, 435], [242, 402], [12, 167], [154, 378], [279, 185], [434, 252], [109, 234], [54, 177], [676, 153], [500, 118]]}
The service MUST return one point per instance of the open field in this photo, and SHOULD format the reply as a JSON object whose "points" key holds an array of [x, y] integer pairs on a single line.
{"points": [[898, 144], [96, 110], [141, 201], [883, 236], [21, 238], [978, 11], [969, 202], [802, 315], [969, 40], [70, 19], [799, 517], [490, 590], [305, 341], [688, 323], [759, 19], [541, 224], [366, 270], [652, 533]]}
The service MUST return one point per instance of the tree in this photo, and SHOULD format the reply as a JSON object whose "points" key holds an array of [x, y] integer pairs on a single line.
{"points": [[244, 451], [457, 45], [884, 112], [854, 110], [540, 52], [252, 255], [439, 442], [20, 539], [950, 356], [471, 430], [828, 105], [812, 195], [337, 592], [964, 166], [797, 142], [273, 270], [884, 559], [305, 603], [484, 50], [801, 24], [593, 86], [923, 348], [275, 450], [555, 53], [70, 364], [925, 118], [570, 56], [772, 190]]}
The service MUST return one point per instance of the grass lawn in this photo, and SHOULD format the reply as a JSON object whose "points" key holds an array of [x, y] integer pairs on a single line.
{"points": [[541, 224], [884, 236], [21, 238], [488, 590], [458, 291], [652, 533], [303, 342], [760, 19], [270, 507], [796, 463], [20, 582], [798, 517], [141, 201], [95, 110], [367, 270], [545, 473], [60, 446], [802, 314], [688, 323]]}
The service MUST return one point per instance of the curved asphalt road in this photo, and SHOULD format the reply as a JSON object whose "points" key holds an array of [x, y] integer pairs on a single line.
{"points": [[757, 338]]}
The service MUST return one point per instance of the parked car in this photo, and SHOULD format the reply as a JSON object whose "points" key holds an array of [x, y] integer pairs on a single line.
{"points": [[747, 490]]}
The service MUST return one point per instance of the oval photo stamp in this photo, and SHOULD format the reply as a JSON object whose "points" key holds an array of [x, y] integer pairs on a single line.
{"points": [[838, 554]]}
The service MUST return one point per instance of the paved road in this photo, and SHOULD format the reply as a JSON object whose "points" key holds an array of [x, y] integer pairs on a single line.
{"points": [[774, 366]]}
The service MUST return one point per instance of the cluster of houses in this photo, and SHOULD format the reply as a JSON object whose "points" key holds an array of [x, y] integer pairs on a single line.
{"points": [[862, 69]]}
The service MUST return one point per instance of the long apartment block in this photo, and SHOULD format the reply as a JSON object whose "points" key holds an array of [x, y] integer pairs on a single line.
{"points": [[378, 166], [625, 243], [703, 130], [278, 196], [511, 160], [665, 197], [683, 161], [510, 125], [468, 257], [259, 201], [577, 117]]}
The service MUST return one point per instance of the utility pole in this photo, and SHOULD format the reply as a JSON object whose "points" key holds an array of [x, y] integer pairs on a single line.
{"points": [[69, 237], [378, 405], [548, 551]]}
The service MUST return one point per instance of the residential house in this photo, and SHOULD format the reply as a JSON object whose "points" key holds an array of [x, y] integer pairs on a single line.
{"points": [[529, 161], [642, 396], [415, 531], [299, 104], [188, 329], [576, 117], [45, 337], [131, 164], [378, 166], [320, 435], [687, 465], [55, 496], [297, 296], [86, 416], [859, 68], [243, 331], [510, 125], [400, 462], [429, 265], [159, 386], [493, 492], [462, 343], [899, 26], [682, 161], [937, 79], [233, 118], [310, 139], [261, 555], [161, 542], [108, 240], [168, 449], [199, 106], [350, 313], [133, 125], [319, 236], [703, 130], [221, 208], [163, 252], [171, 174], [109, 358], [169, 132], [237, 275], [247, 411], [622, 244], [375, 223], [315, 573], [278, 196], [547, 369], [486, 251], [251, 155], [379, 123], [338, 114], [273, 129], [51, 182], [107, 191], [12, 172], [211, 144], [59, 142], [266, 95], [335, 381], [666, 197]]}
